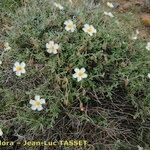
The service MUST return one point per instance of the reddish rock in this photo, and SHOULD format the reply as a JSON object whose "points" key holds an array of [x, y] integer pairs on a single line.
{"points": [[145, 19]]}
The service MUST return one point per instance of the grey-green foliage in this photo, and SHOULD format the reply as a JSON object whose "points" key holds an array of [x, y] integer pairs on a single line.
{"points": [[110, 58]]}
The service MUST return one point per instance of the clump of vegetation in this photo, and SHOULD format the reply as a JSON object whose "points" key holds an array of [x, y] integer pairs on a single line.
{"points": [[109, 107]]}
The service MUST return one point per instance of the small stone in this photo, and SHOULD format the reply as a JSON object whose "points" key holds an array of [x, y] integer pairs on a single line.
{"points": [[81, 106], [116, 5], [145, 19]]}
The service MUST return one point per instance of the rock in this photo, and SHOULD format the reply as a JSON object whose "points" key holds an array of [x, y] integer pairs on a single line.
{"points": [[125, 6], [139, 2], [116, 5], [146, 7], [145, 18]]}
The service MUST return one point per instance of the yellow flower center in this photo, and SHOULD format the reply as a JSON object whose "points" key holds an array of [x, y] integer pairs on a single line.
{"points": [[80, 73], [52, 47], [18, 68], [90, 29], [70, 26], [37, 104]]}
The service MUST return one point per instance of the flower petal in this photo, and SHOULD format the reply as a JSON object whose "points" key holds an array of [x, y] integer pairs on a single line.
{"points": [[76, 69], [18, 73], [56, 46], [83, 69], [84, 75], [39, 108], [14, 69], [75, 75], [17, 63], [49, 51], [37, 97], [55, 51], [86, 26], [51, 42], [42, 101], [110, 5], [90, 33], [67, 29], [23, 71], [23, 64], [84, 29], [95, 30], [66, 22], [73, 29], [47, 45], [32, 102], [79, 79], [70, 22], [33, 107]]}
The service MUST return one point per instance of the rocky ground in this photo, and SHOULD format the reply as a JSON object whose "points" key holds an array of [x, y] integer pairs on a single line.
{"points": [[141, 9]]}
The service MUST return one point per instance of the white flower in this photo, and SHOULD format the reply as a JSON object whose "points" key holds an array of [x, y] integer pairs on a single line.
{"points": [[1, 132], [110, 5], [139, 147], [109, 14], [6, 46], [148, 46], [80, 74], [19, 68], [59, 6], [52, 47], [70, 26], [89, 29], [37, 103], [148, 75]]}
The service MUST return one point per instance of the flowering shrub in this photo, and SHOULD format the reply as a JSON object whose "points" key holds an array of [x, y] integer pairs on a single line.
{"points": [[112, 97]]}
